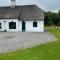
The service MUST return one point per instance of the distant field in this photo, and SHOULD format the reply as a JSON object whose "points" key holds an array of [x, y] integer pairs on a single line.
{"points": [[50, 51]]}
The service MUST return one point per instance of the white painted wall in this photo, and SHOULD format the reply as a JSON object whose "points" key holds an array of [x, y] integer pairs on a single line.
{"points": [[5, 25], [28, 26], [20, 26], [39, 28], [2, 29]]}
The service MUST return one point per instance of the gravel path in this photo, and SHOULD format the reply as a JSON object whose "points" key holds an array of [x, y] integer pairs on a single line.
{"points": [[13, 41]]}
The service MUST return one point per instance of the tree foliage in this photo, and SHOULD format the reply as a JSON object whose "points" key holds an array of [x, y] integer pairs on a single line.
{"points": [[52, 18]]}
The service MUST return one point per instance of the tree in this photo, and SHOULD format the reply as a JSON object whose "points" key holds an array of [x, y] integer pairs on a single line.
{"points": [[48, 18], [52, 18]]}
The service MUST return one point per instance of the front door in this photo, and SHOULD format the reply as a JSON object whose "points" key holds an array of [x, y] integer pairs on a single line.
{"points": [[23, 26]]}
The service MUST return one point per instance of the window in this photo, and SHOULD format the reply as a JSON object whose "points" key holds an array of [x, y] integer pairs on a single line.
{"points": [[34, 24], [0, 26], [0, 23], [12, 25]]}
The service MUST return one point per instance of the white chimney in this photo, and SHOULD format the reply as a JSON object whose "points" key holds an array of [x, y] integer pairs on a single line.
{"points": [[13, 3]]}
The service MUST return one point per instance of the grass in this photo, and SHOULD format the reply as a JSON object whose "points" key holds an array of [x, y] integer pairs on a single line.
{"points": [[49, 51]]}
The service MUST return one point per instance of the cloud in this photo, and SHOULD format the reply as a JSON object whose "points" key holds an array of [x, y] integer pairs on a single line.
{"points": [[50, 0], [51, 5]]}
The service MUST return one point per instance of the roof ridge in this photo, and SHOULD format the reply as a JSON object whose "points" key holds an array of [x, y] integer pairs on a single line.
{"points": [[20, 5]]}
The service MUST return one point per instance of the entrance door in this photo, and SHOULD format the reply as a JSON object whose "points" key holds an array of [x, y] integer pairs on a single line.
{"points": [[23, 26]]}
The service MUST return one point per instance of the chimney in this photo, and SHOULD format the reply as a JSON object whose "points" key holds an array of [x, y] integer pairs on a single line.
{"points": [[13, 3]]}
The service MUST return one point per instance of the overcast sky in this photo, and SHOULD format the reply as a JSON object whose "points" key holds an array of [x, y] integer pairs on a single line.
{"points": [[47, 5]]}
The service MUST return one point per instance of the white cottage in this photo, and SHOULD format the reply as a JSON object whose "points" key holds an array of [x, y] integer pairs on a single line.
{"points": [[28, 18]]}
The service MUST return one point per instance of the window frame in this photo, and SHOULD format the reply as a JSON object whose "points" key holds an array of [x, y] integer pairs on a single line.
{"points": [[11, 26], [34, 24]]}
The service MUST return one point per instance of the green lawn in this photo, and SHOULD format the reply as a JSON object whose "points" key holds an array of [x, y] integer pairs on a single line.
{"points": [[50, 51]]}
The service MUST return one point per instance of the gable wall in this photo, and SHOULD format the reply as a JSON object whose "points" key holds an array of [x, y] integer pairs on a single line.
{"points": [[39, 28]]}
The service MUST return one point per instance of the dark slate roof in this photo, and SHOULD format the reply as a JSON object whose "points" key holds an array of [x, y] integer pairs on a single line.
{"points": [[26, 12]]}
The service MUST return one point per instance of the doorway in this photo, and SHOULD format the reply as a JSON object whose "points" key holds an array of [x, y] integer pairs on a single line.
{"points": [[23, 26]]}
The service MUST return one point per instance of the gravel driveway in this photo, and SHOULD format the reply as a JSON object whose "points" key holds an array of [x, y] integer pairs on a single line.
{"points": [[13, 41]]}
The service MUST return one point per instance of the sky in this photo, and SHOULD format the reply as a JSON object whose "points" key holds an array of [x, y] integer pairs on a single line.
{"points": [[46, 5]]}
